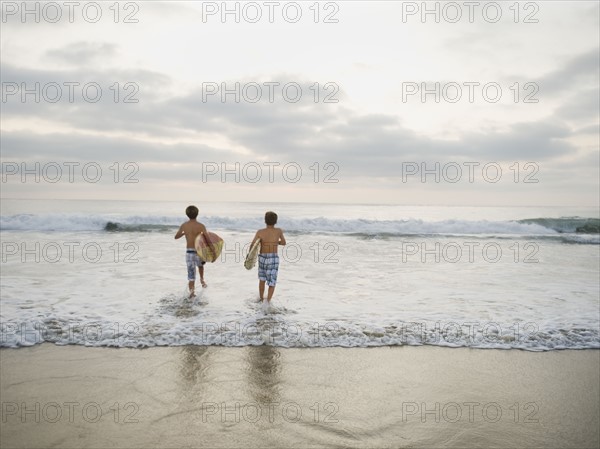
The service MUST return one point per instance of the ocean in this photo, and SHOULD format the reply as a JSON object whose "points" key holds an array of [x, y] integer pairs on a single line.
{"points": [[109, 273]]}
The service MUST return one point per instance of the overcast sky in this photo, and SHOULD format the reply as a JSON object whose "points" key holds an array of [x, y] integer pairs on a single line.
{"points": [[358, 121]]}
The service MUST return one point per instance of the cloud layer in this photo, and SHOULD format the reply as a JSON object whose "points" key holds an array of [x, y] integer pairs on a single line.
{"points": [[173, 128]]}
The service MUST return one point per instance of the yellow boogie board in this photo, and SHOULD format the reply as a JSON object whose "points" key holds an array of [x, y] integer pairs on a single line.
{"points": [[252, 255], [204, 251]]}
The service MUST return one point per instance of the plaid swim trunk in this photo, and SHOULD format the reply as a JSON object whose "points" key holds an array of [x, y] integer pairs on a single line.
{"points": [[192, 261], [268, 265]]}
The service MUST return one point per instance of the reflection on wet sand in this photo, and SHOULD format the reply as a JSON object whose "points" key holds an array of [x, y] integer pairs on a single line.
{"points": [[264, 373], [195, 361]]}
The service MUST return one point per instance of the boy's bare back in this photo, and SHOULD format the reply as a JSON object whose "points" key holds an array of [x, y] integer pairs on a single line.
{"points": [[270, 239], [191, 229]]}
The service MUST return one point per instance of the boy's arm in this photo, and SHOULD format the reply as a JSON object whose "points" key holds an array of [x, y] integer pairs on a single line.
{"points": [[210, 243], [281, 238], [256, 237], [179, 233]]}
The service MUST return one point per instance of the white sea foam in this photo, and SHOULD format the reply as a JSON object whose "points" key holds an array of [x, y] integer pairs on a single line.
{"points": [[410, 226], [342, 282]]}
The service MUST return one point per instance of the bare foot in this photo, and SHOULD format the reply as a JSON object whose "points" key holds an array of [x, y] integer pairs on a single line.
{"points": [[203, 283], [192, 294]]}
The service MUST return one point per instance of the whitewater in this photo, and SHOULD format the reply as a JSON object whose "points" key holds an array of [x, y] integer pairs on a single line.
{"points": [[101, 273]]}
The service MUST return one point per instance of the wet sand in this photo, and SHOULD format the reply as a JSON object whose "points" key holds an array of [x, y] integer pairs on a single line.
{"points": [[195, 396]]}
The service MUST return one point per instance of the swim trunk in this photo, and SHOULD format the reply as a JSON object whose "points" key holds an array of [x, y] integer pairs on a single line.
{"points": [[192, 261], [268, 265]]}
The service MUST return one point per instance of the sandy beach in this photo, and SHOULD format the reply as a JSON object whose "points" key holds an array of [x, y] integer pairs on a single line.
{"points": [[194, 396]]}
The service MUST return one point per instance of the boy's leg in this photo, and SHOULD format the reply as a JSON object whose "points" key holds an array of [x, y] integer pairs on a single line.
{"points": [[261, 277], [201, 272], [189, 261], [272, 276]]}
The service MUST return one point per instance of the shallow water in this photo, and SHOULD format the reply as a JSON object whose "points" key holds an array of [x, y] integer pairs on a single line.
{"points": [[363, 276]]}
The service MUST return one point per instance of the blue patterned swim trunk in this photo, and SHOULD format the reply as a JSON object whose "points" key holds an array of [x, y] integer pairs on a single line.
{"points": [[192, 261], [268, 265]]}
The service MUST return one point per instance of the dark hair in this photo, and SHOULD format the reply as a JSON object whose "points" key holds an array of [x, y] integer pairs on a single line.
{"points": [[191, 212], [270, 218]]}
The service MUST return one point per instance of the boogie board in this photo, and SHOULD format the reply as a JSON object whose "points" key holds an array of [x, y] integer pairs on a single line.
{"points": [[203, 249], [252, 255]]}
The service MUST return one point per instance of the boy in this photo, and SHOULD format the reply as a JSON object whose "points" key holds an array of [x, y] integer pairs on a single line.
{"points": [[268, 260], [191, 229]]}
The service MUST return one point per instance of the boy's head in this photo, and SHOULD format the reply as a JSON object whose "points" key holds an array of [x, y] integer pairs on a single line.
{"points": [[271, 218], [191, 212]]}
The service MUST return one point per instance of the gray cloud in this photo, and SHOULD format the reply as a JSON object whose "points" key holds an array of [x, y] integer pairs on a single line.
{"points": [[82, 53], [285, 130], [582, 71], [581, 107], [363, 145]]}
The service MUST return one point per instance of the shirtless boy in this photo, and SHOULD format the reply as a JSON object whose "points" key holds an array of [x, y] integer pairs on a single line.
{"points": [[268, 260], [191, 229]]}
